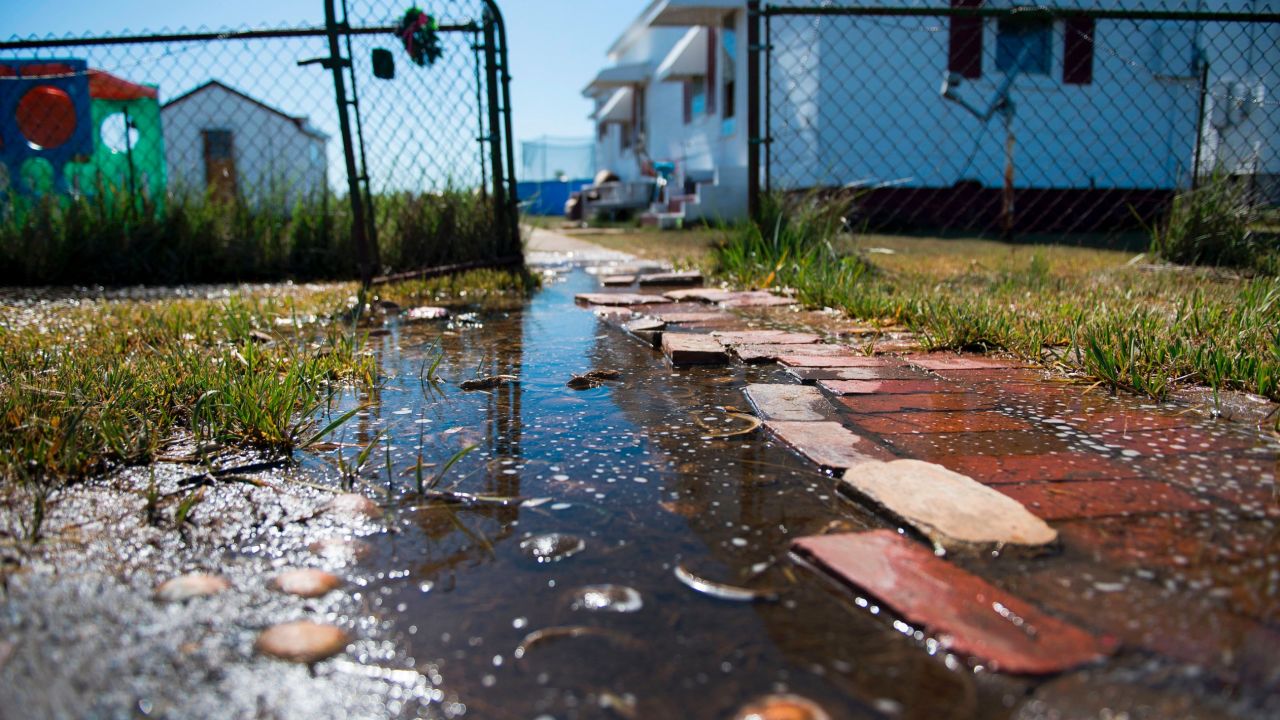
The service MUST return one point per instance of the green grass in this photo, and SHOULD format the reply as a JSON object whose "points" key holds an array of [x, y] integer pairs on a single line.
{"points": [[87, 385], [1086, 311], [113, 239]]}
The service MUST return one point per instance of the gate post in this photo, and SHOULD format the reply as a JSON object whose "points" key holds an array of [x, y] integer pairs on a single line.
{"points": [[501, 154], [754, 140], [335, 62]]}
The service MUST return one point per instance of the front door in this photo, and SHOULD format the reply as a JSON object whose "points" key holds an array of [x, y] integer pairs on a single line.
{"points": [[220, 164]]}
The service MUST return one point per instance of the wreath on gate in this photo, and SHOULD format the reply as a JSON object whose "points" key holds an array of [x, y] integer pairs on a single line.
{"points": [[418, 33]]}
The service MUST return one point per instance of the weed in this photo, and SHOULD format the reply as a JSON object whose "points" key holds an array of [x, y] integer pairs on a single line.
{"points": [[112, 239], [1132, 328], [1216, 224]]}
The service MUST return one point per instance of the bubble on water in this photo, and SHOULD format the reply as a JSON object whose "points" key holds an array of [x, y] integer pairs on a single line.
{"points": [[552, 547], [607, 598]]}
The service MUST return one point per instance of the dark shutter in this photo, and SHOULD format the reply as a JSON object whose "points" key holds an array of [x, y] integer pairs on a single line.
{"points": [[688, 101], [712, 56], [1077, 53], [965, 54]]}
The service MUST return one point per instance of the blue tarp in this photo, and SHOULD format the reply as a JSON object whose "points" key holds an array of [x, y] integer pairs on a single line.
{"points": [[547, 197]]}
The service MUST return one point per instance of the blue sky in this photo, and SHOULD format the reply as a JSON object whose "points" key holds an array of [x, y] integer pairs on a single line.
{"points": [[556, 45]]}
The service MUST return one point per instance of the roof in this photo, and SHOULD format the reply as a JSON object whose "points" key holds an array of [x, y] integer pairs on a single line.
{"points": [[674, 13], [619, 76], [688, 59], [105, 86], [618, 108], [301, 122]]}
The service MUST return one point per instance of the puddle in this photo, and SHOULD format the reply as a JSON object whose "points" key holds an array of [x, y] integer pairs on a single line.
{"points": [[554, 593], [635, 470]]}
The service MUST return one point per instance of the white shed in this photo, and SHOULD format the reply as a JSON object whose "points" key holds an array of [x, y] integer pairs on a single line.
{"points": [[222, 141]]}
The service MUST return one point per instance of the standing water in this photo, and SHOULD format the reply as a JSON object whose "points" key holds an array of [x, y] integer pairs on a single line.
{"points": [[628, 555]]}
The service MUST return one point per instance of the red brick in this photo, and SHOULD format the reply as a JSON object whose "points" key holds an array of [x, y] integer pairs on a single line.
{"points": [[828, 444], [813, 374], [766, 337], [962, 362], [1167, 541], [672, 278], [893, 346], [1006, 469], [849, 360], [756, 298], [872, 387], [692, 317], [937, 402], [937, 446], [1185, 625], [966, 613], [770, 353], [1006, 376], [939, 422], [619, 298], [1099, 498], [1174, 441], [1110, 419], [701, 294], [693, 349]]}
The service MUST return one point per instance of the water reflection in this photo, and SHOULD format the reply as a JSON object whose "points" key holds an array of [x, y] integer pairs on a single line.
{"points": [[631, 479]]}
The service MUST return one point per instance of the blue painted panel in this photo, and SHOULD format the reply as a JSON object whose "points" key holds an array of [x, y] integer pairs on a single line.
{"points": [[15, 149], [549, 196]]}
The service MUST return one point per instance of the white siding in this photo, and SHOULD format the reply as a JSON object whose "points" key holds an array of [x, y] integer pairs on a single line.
{"points": [[857, 100], [274, 157]]}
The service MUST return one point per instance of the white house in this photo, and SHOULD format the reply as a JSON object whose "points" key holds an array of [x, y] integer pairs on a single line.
{"points": [[1103, 112], [220, 140]]}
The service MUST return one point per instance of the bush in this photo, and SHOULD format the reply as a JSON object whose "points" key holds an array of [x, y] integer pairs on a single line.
{"points": [[1216, 224]]}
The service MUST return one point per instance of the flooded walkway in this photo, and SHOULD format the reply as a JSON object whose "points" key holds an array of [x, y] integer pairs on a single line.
{"points": [[634, 546]]}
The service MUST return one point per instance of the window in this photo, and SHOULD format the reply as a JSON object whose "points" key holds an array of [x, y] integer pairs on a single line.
{"points": [[1024, 45], [712, 62], [964, 55], [219, 163], [695, 99], [1077, 51]]}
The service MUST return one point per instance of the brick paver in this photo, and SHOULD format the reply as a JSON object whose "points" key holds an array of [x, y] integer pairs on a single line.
{"points": [[1099, 498], [969, 614], [693, 349], [1166, 520], [829, 445]]}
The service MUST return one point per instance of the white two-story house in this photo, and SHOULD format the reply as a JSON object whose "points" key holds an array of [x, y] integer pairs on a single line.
{"points": [[1104, 112]]}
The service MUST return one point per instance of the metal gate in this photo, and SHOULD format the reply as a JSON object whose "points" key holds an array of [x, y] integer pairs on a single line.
{"points": [[231, 136], [427, 116]]}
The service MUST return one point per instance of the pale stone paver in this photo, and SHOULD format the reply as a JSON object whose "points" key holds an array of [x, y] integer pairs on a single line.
{"points": [[828, 444], [799, 403], [954, 511]]}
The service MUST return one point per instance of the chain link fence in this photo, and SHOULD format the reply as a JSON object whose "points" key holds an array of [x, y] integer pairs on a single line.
{"points": [[992, 117], [218, 154]]}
